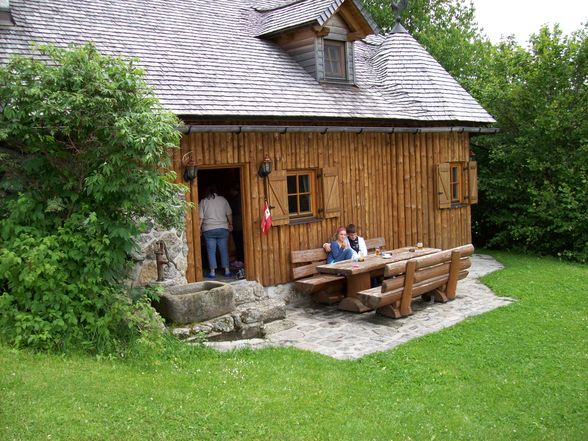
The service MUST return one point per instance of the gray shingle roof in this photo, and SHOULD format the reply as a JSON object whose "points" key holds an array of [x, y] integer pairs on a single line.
{"points": [[287, 14], [292, 14], [203, 58]]}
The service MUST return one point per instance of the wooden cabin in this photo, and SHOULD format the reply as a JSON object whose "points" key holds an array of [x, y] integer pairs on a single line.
{"points": [[359, 127]]}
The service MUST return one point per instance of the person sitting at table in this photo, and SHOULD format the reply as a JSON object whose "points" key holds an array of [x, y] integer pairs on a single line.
{"points": [[339, 248], [354, 241]]}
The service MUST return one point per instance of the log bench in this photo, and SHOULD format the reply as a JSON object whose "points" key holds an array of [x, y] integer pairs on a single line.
{"points": [[434, 275], [324, 288]]}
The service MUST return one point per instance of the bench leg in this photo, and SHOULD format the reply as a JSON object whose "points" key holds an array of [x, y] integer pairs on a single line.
{"points": [[355, 283], [392, 310], [353, 304], [439, 295], [326, 297]]}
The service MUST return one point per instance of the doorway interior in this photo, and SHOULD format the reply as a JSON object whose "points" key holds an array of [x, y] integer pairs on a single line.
{"points": [[228, 183]]}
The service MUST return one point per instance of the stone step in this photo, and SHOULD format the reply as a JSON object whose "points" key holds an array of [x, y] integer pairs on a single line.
{"points": [[263, 311], [252, 343], [277, 326]]}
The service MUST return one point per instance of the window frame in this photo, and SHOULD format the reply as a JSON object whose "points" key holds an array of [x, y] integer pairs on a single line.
{"points": [[342, 51], [313, 194], [456, 186]]}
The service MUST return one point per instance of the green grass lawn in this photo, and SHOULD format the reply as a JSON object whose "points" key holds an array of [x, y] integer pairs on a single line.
{"points": [[519, 372]]}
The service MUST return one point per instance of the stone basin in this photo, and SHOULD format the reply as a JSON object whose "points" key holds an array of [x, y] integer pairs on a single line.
{"points": [[196, 302]]}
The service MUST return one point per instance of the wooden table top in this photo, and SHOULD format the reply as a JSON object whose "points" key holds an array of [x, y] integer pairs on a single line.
{"points": [[373, 262]]}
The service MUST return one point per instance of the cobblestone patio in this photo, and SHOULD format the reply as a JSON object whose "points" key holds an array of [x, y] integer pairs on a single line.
{"points": [[346, 335]]}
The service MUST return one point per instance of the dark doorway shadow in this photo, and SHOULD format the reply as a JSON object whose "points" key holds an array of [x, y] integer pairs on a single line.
{"points": [[228, 184]]}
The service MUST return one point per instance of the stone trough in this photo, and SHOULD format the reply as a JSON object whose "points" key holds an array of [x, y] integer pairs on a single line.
{"points": [[196, 302], [219, 311]]}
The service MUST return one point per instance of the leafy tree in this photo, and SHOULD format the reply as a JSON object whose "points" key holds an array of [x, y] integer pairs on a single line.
{"points": [[84, 146], [534, 178]]}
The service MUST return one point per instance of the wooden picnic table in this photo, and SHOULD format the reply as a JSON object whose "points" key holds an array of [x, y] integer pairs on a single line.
{"points": [[359, 274]]}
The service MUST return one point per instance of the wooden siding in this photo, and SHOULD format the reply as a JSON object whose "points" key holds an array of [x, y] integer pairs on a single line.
{"points": [[338, 29], [301, 46], [387, 187]]}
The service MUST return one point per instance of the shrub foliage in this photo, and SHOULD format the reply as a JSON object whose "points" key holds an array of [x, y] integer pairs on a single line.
{"points": [[534, 173], [83, 143]]}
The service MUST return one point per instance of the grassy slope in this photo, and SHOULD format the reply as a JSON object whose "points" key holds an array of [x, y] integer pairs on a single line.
{"points": [[519, 372]]}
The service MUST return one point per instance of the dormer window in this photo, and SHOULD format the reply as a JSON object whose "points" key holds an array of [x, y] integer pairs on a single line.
{"points": [[5, 15], [318, 37], [335, 60]]}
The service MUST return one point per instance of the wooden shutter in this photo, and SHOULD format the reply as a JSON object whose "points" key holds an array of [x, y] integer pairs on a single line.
{"points": [[278, 197], [443, 185], [331, 199], [473, 182]]}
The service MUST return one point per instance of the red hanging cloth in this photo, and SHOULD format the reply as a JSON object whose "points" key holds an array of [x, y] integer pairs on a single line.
{"points": [[266, 221]]}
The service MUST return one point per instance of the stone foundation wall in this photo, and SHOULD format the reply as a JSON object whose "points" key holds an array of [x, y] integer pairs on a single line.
{"points": [[145, 269], [288, 294]]}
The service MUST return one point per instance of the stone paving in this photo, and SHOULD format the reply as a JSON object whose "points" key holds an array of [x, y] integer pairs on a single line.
{"points": [[346, 335]]}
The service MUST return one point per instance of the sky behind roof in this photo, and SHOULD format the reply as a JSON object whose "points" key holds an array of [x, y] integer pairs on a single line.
{"points": [[524, 17]]}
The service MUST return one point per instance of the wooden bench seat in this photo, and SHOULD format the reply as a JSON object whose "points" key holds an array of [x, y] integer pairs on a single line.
{"points": [[433, 275], [324, 288]]}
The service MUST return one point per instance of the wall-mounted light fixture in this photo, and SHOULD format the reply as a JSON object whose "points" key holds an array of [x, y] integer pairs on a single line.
{"points": [[265, 168], [190, 168]]}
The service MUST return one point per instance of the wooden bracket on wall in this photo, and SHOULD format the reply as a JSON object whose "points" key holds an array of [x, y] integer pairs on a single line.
{"points": [[353, 36], [321, 31]]}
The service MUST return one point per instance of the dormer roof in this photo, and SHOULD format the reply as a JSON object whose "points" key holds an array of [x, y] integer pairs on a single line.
{"points": [[279, 16]]}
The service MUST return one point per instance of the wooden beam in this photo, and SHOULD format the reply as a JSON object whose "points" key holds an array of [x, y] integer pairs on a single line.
{"points": [[351, 15], [358, 35], [321, 31]]}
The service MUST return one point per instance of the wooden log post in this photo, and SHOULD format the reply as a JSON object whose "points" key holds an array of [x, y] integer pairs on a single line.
{"points": [[453, 274], [406, 300]]}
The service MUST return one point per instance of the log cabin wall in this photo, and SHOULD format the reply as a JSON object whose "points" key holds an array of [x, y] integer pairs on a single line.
{"points": [[387, 187]]}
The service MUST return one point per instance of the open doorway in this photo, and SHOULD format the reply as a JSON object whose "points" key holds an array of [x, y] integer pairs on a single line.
{"points": [[228, 184]]}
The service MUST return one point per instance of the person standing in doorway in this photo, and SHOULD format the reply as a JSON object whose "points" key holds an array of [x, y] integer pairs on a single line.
{"points": [[216, 222]]}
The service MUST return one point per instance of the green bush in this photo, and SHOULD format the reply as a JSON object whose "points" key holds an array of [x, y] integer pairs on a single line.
{"points": [[534, 173], [84, 143]]}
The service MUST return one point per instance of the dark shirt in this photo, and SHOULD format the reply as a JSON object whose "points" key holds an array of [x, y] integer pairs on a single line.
{"points": [[354, 244]]}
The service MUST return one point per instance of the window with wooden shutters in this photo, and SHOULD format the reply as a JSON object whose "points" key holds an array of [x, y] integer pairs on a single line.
{"points": [[299, 196], [457, 184], [278, 197]]}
